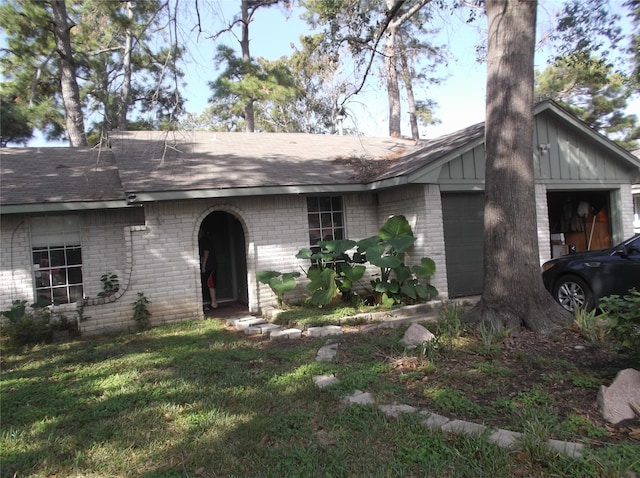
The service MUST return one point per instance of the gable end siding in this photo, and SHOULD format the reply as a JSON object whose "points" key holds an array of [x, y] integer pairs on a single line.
{"points": [[572, 156]]}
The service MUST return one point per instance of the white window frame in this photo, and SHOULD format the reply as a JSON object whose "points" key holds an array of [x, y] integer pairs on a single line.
{"points": [[326, 218], [56, 257]]}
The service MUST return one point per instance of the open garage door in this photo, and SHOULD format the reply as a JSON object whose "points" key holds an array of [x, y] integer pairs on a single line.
{"points": [[463, 216]]}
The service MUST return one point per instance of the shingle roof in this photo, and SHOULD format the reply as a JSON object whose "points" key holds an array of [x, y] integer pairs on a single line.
{"points": [[177, 161], [435, 149], [58, 175], [154, 165]]}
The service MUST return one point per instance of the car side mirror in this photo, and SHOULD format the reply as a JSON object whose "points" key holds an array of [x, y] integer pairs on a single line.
{"points": [[623, 251]]}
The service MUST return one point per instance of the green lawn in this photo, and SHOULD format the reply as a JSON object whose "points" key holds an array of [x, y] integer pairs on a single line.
{"points": [[197, 399]]}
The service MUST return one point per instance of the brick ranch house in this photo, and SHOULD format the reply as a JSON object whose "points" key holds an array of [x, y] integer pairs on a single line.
{"points": [[135, 208]]}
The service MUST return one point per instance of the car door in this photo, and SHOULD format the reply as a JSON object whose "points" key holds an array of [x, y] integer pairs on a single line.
{"points": [[624, 273]]}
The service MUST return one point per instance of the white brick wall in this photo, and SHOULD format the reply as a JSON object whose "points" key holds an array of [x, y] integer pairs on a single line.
{"points": [[542, 218], [160, 258], [15, 261], [422, 206], [625, 203]]}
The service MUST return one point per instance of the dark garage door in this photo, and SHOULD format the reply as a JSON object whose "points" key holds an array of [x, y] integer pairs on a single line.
{"points": [[463, 216]]}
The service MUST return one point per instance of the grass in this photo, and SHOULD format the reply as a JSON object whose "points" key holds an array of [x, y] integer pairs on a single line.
{"points": [[199, 400]]}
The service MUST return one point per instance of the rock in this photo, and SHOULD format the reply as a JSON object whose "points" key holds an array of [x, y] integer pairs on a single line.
{"points": [[323, 381], [359, 398], [395, 410], [416, 335], [327, 353], [615, 400]]}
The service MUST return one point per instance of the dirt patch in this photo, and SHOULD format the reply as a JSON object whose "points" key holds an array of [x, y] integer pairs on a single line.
{"points": [[555, 377]]}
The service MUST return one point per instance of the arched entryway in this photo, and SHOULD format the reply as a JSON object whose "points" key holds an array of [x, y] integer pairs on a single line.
{"points": [[228, 241]]}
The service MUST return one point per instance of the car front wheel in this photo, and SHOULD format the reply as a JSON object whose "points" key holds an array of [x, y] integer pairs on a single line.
{"points": [[573, 293]]}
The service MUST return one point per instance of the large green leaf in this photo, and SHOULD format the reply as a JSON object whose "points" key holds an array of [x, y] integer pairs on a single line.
{"points": [[426, 268], [353, 273], [364, 244], [409, 289], [402, 273], [286, 283], [401, 244], [387, 301], [337, 247], [376, 255], [266, 276], [304, 253], [396, 226], [322, 285]]}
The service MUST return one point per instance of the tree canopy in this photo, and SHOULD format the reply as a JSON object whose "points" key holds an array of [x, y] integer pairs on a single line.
{"points": [[128, 59], [89, 61], [589, 88]]}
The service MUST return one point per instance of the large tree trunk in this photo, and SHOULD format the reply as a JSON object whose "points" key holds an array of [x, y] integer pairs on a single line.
{"points": [[513, 293], [249, 114], [393, 89], [125, 92], [411, 99], [68, 81]]}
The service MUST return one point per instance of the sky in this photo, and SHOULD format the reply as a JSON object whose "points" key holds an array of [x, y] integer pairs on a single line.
{"points": [[460, 96]]}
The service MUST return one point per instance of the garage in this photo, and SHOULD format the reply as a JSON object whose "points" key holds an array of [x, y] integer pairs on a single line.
{"points": [[463, 222], [579, 221]]}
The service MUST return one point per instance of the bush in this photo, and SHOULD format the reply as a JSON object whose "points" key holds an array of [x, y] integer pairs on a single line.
{"points": [[280, 283], [141, 313], [623, 316], [110, 284], [333, 270], [38, 325]]}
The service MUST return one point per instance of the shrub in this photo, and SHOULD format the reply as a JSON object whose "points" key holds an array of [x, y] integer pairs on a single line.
{"points": [[333, 269], [35, 324], [623, 316], [278, 282], [141, 313], [110, 284], [590, 325], [27, 326]]}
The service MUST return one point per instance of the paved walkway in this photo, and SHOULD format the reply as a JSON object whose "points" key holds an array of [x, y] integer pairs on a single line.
{"points": [[252, 325]]}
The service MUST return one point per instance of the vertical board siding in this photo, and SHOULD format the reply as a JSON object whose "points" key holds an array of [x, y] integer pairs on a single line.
{"points": [[571, 156], [470, 165]]}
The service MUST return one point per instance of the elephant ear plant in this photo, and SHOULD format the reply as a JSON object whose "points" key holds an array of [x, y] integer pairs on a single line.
{"points": [[279, 282], [397, 282], [332, 270]]}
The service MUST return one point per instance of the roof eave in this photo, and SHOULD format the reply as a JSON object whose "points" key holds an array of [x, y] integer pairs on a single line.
{"points": [[61, 207], [134, 197]]}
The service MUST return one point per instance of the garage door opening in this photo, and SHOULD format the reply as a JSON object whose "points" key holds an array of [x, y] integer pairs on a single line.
{"points": [[579, 221]]}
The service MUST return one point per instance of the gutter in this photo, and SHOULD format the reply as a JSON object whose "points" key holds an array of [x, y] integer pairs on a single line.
{"points": [[134, 197], [61, 207]]}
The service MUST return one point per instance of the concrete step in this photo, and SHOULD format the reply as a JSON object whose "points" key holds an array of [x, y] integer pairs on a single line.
{"points": [[262, 329], [285, 334], [324, 331], [245, 323], [252, 325], [231, 321]]}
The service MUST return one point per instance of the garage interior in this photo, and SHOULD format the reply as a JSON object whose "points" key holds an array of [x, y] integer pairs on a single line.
{"points": [[579, 221]]}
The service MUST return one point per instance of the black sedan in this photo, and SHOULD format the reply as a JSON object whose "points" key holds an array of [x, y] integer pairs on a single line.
{"points": [[578, 281]]}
